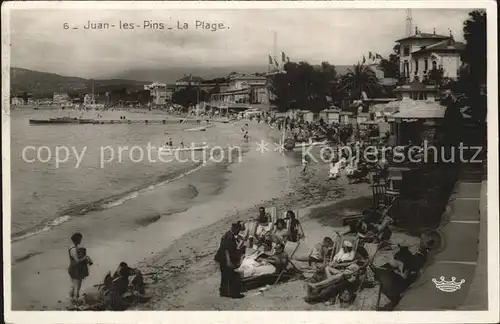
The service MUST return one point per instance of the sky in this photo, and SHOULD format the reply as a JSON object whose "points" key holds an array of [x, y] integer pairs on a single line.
{"points": [[339, 36]]}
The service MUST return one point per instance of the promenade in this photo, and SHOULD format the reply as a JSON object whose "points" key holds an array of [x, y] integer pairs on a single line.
{"points": [[462, 253]]}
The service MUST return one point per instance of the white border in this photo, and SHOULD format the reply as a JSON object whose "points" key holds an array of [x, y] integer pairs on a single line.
{"points": [[491, 316]]}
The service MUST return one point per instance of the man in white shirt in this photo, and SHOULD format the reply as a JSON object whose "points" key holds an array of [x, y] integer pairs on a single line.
{"points": [[345, 254]]}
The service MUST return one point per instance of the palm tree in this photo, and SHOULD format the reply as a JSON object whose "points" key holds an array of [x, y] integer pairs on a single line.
{"points": [[358, 79]]}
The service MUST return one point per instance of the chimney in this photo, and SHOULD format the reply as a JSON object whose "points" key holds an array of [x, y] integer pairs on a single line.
{"points": [[416, 30], [434, 32]]}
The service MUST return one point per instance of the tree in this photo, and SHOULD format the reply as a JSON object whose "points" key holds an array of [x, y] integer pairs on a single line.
{"points": [[189, 96], [473, 79], [303, 86], [435, 77], [390, 66], [358, 79]]}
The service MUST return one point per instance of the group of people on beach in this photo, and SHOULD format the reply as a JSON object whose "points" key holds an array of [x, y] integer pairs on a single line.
{"points": [[125, 280], [253, 248], [258, 247]]}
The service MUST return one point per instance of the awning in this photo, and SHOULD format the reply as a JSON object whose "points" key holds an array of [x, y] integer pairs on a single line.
{"points": [[415, 109]]}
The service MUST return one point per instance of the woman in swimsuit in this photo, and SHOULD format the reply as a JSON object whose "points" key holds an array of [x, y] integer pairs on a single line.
{"points": [[78, 266]]}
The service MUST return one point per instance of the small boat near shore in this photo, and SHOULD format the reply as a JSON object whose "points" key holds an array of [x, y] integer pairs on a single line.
{"points": [[199, 129], [195, 147]]}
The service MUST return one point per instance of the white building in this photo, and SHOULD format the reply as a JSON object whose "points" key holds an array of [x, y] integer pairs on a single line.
{"points": [[61, 98], [89, 99], [189, 80], [244, 89], [160, 93], [422, 52]]}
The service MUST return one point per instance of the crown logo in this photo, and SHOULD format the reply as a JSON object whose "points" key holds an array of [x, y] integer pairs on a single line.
{"points": [[448, 286]]}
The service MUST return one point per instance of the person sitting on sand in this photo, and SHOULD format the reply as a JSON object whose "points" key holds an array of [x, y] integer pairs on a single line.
{"points": [[261, 262], [280, 233], [126, 278], [321, 251], [345, 254], [347, 273], [279, 259], [264, 224]]}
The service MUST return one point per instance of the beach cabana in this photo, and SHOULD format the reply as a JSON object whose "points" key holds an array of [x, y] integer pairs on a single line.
{"points": [[417, 121], [331, 115]]}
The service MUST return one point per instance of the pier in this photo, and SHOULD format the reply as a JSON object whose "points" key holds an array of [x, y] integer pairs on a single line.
{"points": [[80, 121]]}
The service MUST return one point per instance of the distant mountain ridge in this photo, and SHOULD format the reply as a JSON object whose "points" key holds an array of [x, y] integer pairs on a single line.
{"points": [[44, 84]]}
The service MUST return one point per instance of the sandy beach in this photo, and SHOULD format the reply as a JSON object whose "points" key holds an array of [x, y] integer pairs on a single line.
{"points": [[175, 246], [185, 277]]}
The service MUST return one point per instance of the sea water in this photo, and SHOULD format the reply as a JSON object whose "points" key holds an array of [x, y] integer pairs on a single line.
{"points": [[106, 204], [46, 194]]}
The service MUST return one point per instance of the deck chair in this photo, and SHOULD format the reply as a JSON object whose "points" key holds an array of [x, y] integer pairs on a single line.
{"points": [[288, 272], [251, 225], [354, 239]]}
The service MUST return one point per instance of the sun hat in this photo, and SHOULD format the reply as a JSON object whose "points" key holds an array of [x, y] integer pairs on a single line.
{"points": [[348, 244]]}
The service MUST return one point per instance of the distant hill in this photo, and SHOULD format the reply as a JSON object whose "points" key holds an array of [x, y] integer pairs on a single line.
{"points": [[42, 84], [170, 75]]}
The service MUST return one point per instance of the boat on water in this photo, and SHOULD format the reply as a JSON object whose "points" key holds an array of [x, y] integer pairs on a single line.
{"points": [[194, 147], [199, 129], [59, 120]]}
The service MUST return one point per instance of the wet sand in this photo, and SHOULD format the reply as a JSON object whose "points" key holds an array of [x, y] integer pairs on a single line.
{"points": [[41, 280], [185, 277]]}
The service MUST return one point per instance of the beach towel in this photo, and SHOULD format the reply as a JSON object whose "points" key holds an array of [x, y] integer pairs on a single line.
{"points": [[250, 267]]}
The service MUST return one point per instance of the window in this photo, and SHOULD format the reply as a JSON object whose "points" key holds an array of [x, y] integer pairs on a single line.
{"points": [[406, 69], [416, 66], [426, 65], [406, 50], [434, 65]]}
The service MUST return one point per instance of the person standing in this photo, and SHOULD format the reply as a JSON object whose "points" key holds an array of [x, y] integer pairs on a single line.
{"points": [[294, 227], [78, 266], [228, 258]]}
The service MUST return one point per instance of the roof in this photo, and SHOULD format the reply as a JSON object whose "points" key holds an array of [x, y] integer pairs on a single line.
{"points": [[190, 78], [416, 86], [411, 109], [447, 45], [424, 36], [248, 77], [235, 91], [370, 122], [380, 100]]}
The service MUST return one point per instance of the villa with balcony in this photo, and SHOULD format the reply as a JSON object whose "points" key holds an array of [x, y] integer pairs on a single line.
{"points": [[242, 92], [161, 93], [423, 52]]}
